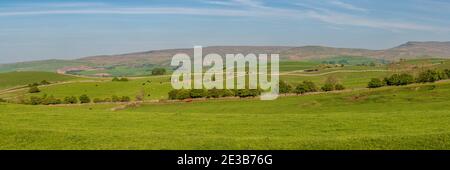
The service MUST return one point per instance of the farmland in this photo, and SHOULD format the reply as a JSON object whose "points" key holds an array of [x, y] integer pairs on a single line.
{"points": [[415, 116]]}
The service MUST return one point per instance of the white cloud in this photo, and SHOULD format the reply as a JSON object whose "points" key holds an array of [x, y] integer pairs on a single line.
{"points": [[347, 6]]}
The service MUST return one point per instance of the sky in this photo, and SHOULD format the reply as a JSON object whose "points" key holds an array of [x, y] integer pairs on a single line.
{"points": [[69, 29]]}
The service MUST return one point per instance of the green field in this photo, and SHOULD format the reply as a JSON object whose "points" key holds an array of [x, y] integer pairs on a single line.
{"points": [[416, 116], [413, 117]]}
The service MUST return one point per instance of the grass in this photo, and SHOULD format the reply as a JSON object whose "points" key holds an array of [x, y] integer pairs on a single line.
{"points": [[13, 79], [413, 117]]}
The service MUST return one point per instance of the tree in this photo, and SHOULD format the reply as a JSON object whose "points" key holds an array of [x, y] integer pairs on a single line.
{"points": [[34, 89], [310, 86], [34, 100], [339, 87], [328, 87], [123, 79], [44, 82], [70, 100], [173, 94], [406, 79], [428, 76], [98, 100], [125, 99], [115, 79], [115, 98], [301, 89], [158, 71], [183, 94], [214, 93], [84, 99], [50, 100], [197, 93], [375, 83], [285, 87]]}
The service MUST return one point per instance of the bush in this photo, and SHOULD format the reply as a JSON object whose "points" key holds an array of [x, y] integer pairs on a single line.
{"points": [[214, 93], [34, 89], [50, 100], [399, 79], [328, 87], [183, 94], [158, 71], [120, 79], [310, 86], [430, 76], [339, 87], [115, 79], [115, 98], [447, 72], [173, 94], [301, 89], [70, 100], [125, 99], [34, 100], [375, 83], [226, 93], [84, 99], [285, 87], [44, 82], [2, 100], [197, 93], [97, 100]]}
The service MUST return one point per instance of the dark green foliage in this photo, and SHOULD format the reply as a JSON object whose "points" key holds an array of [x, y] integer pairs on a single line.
{"points": [[375, 83], [183, 94], [429, 76], [70, 100], [50, 100], [399, 79], [328, 87], [2, 100], [214, 93], [447, 72], [339, 87], [115, 98], [44, 82], [125, 99], [305, 87], [197, 93], [115, 79], [285, 87], [84, 99], [34, 100], [98, 100], [34, 89], [158, 71]]}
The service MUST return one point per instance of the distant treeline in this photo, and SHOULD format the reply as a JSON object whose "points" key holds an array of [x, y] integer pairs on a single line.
{"points": [[427, 76]]}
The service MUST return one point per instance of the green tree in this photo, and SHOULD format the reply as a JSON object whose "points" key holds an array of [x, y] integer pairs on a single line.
{"points": [[84, 99], [125, 99], [34, 89], [375, 83], [301, 89], [70, 100], [198, 93], [310, 86], [339, 87], [285, 87]]}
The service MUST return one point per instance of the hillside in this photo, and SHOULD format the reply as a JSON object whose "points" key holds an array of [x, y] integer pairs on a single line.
{"points": [[143, 62], [13, 79]]}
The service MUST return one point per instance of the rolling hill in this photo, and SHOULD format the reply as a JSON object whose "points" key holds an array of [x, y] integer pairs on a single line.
{"points": [[409, 50]]}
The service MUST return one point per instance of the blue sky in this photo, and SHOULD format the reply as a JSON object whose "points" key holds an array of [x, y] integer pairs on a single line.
{"points": [[44, 29]]}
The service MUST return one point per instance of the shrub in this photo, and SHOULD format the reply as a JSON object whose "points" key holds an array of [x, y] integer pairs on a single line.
{"points": [[197, 93], [97, 100], [50, 100], [34, 89], [125, 99], [339, 87], [71, 100], [2, 100], [328, 87], [84, 99], [226, 93], [310, 86], [115, 98], [301, 89], [375, 83], [399, 79], [115, 79], [173, 94], [44, 82], [34, 100], [428, 76], [158, 71], [285, 87], [123, 79], [214, 93], [183, 94], [447, 72], [119, 79]]}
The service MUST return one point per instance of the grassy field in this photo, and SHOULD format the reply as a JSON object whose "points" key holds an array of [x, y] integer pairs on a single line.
{"points": [[13, 79], [413, 117], [409, 117]]}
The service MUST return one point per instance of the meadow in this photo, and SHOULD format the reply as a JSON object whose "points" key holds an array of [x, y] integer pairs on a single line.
{"points": [[404, 117]]}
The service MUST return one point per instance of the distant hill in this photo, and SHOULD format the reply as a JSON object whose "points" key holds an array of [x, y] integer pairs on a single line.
{"points": [[409, 50]]}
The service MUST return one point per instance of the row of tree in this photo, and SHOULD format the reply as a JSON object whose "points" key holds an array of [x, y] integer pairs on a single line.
{"points": [[212, 93], [51, 100], [427, 76], [331, 84]]}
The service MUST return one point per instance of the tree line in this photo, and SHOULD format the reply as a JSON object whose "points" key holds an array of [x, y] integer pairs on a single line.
{"points": [[428, 76], [83, 99]]}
